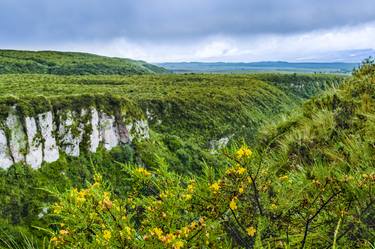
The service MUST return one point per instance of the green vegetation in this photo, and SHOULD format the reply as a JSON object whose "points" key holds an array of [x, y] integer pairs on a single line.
{"points": [[69, 63], [201, 107], [305, 179], [309, 183]]}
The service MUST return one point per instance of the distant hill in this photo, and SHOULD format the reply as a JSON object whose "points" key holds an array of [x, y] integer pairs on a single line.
{"points": [[277, 66], [70, 63]]}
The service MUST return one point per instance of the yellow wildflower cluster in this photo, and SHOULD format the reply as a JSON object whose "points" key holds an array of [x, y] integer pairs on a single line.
{"points": [[243, 152], [191, 187], [233, 203], [370, 176], [187, 197], [284, 178], [57, 208], [236, 170], [143, 171], [107, 235], [251, 231], [81, 197], [126, 232], [59, 239], [178, 244], [106, 203], [175, 240], [241, 190], [215, 187], [165, 195], [156, 232]]}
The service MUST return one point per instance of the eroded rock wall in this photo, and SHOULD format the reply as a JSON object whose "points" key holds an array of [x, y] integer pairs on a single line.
{"points": [[41, 138]]}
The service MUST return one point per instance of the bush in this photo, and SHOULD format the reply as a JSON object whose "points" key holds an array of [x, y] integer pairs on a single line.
{"points": [[244, 205]]}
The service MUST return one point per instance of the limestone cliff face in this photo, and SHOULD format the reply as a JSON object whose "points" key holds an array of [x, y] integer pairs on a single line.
{"points": [[41, 138]]}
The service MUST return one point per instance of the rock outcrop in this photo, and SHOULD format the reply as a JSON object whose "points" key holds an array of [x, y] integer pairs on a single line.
{"points": [[41, 138]]}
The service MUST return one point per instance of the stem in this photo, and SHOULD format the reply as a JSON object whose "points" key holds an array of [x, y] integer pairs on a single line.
{"points": [[309, 220], [336, 232]]}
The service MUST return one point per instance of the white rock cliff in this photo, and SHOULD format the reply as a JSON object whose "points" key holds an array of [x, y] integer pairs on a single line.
{"points": [[34, 140]]}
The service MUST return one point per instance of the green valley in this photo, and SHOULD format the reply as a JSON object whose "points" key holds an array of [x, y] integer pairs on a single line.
{"points": [[262, 160]]}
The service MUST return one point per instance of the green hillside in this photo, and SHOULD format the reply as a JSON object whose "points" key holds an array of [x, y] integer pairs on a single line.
{"points": [[70, 63], [307, 181], [195, 106]]}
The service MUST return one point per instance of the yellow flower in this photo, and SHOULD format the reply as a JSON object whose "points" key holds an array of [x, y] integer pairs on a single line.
{"points": [[241, 170], [127, 231], [273, 206], [156, 231], [233, 204], [143, 171], [57, 208], [178, 244], [229, 171], [191, 187], [185, 231], [168, 238], [193, 225], [243, 152], [249, 180], [82, 194], [241, 190], [348, 178], [187, 197], [284, 178], [107, 235], [80, 201], [201, 221], [164, 195], [64, 232], [54, 239], [215, 187], [251, 231]]}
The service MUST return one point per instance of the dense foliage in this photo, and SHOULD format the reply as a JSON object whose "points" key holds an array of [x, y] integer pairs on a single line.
{"points": [[308, 184], [69, 63], [306, 181], [199, 107]]}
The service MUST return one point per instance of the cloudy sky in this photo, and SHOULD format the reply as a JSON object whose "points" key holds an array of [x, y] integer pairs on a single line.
{"points": [[194, 30]]}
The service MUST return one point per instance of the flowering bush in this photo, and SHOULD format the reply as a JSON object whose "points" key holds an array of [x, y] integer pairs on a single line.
{"points": [[242, 205]]}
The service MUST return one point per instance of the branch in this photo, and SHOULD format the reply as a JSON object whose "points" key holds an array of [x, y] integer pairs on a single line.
{"points": [[309, 220]]}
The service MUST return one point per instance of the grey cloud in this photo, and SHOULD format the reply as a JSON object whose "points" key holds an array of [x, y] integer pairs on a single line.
{"points": [[158, 20]]}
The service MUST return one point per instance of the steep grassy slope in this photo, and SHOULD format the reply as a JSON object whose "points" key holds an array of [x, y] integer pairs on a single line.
{"points": [[69, 63], [329, 146]]}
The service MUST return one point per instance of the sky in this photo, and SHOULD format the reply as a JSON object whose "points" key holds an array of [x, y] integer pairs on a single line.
{"points": [[194, 30]]}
